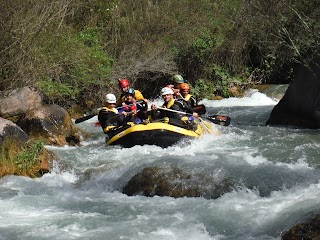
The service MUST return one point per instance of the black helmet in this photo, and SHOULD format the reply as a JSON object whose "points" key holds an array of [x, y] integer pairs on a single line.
{"points": [[130, 91]]}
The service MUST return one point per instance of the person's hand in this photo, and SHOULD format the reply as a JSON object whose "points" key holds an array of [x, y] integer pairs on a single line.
{"points": [[195, 115], [124, 113], [146, 101], [153, 107]]}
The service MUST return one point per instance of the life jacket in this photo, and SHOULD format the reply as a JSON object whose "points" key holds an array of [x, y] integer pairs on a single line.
{"points": [[137, 96], [187, 98], [190, 101], [129, 106], [169, 104], [110, 110]]}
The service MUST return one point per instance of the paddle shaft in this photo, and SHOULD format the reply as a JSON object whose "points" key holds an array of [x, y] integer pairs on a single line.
{"points": [[216, 119], [85, 118]]}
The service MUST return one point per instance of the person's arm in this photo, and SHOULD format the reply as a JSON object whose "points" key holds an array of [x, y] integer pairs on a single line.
{"points": [[120, 100], [109, 120], [138, 96], [193, 101], [102, 118], [178, 106]]}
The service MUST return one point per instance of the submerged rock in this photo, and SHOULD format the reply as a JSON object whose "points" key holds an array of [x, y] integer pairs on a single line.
{"points": [[307, 230], [300, 105], [174, 182]]}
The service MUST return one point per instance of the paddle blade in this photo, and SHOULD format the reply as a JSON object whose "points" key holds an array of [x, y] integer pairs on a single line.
{"points": [[221, 120], [97, 124], [85, 118], [200, 109]]}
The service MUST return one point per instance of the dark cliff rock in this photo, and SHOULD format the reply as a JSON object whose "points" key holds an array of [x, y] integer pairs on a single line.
{"points": [[300, 105]]}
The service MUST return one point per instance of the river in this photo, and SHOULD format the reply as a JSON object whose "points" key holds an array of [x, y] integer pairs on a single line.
{"points": [[276, 171]]}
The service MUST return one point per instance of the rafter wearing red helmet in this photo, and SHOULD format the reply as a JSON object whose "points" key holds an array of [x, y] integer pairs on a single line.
{"points": [[124, 85]]}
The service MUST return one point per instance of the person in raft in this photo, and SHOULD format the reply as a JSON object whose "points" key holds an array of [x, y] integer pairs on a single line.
{"points": [[129, 106], [177, 81], [175, 118], [190, 100], [109, 117], [124, 85]]}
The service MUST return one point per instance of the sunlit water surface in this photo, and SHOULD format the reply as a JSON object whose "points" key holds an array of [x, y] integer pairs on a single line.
{"points": [[276, 171]]}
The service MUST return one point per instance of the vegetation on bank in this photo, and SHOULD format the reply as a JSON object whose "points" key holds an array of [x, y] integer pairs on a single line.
{"points": [[74, 50], [22, 159]]}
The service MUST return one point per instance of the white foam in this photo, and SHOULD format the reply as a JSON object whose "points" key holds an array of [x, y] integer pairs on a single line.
{"points": [[247, 210], [301, 164], [252, 98]]}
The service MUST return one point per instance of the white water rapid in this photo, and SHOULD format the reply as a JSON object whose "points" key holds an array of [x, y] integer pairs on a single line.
{"points": [[276, 171]]}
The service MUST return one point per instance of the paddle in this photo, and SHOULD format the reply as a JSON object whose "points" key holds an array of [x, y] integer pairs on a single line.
{"points": [[216, 119], [200, 109], [85, 118], [219, 119]]}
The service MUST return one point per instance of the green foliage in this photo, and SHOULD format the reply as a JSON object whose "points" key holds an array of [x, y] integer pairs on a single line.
{"points": [[57, 90], [91, 13], [28, 157], [203, 89], [223, 80], [193, 59], [73, 62], [17, 158], [70, 51]]}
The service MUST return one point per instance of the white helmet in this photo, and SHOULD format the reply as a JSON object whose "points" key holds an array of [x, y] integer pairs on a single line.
{"points": [[166, 90], [111, 98]]}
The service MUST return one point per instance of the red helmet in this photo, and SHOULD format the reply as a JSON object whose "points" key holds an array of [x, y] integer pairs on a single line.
{"points": [[123, 83]]}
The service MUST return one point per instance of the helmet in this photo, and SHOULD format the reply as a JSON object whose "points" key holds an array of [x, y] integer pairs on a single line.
{"points": [[123, 83], [166, 90], [111, 98], [177, 78], [130, 91], [184, 86]]}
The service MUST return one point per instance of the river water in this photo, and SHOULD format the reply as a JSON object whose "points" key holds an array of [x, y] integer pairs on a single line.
{"points": [[276, 171]]}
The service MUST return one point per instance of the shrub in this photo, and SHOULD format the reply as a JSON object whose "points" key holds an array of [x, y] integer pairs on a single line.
{"points": [[75, 63], [17, 158]]}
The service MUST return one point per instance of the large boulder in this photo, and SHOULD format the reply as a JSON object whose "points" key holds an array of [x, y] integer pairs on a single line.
{"points": [[10, 129], [19, 101], [300, 105], [174, 182], [51, 124]]}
